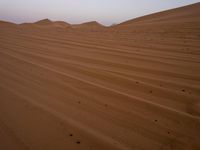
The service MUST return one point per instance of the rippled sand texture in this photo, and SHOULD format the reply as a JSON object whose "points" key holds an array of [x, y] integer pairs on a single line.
{"points": [[133, 86]]}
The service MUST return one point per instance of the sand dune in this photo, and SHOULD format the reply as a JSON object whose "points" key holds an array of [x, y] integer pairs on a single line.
{"points": [[183, 14], [133, 86], [89, 26], [47, 23]]}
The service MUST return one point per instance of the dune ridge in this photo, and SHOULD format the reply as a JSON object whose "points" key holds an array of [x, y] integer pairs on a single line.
{"points": [[135, 85], [47, 23], [178, 14]]}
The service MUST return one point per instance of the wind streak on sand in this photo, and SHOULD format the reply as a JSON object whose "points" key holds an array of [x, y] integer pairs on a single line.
{"points": [[135, 85]]}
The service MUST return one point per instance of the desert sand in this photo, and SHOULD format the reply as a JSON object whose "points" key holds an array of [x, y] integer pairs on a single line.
{"points": [[133, 86]]}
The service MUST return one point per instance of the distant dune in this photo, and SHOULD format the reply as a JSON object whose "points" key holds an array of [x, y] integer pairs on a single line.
{"points": [[61, 24], [89, 26], [6, 24], [47, 23], [133, 86], [44, 22]]}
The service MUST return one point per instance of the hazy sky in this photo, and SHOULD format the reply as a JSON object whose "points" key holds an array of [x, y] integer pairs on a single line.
{"points": [[78, 11]]}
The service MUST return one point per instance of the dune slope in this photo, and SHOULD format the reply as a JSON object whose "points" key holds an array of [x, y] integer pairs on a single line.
{"points": [[129, 87]]}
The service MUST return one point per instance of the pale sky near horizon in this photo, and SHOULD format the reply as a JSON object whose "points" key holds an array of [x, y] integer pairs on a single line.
{"points": [[78, 11]]}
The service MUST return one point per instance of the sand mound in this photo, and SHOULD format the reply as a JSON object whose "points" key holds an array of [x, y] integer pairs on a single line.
{"points": [[129, 87], [61, 24], [93, 25], [44, 22], [47, 23], [183, 14], [7, 24]]}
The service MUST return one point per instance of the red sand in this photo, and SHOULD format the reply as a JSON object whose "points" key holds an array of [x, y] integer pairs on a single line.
{"points": [[133, 86]]}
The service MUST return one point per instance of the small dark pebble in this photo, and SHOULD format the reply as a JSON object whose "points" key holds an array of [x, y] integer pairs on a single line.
{"points": [[168, 132], [78, 142], [150, 91], [71, 135], [183, 90], [79, 102], [155, 120]]}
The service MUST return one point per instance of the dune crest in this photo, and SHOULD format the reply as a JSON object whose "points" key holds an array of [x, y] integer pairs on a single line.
{"points": [[47, 23], [44, 22], [183, 14], [7, 24], [93, 25]]}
